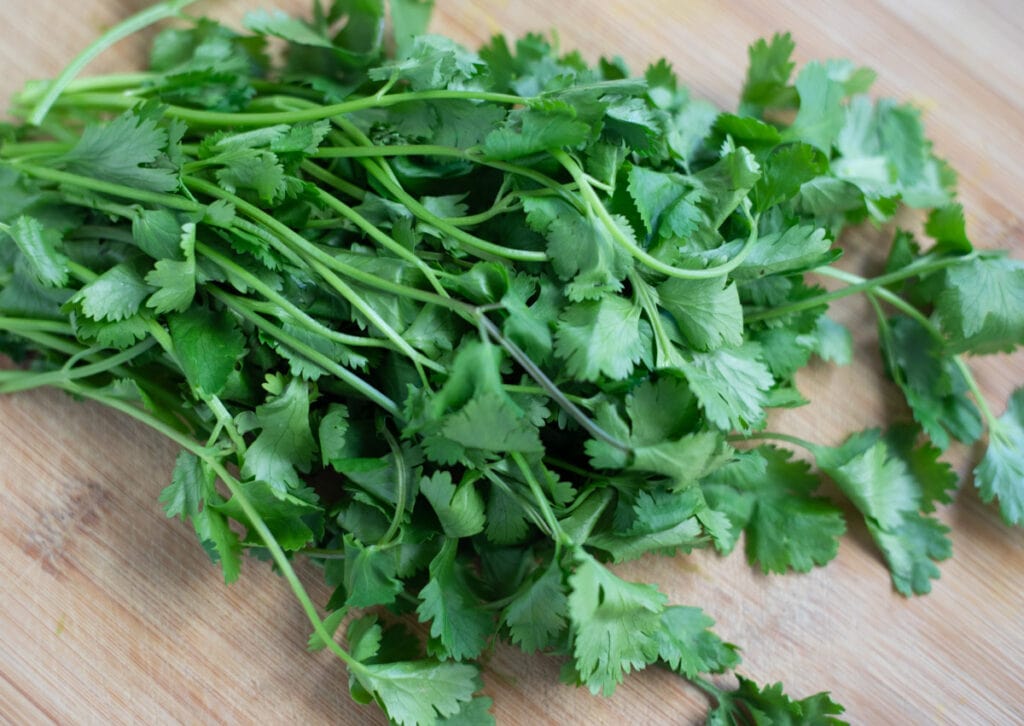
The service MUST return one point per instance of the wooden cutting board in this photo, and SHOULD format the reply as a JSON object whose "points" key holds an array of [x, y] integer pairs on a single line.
{"points": [[110, 613]]}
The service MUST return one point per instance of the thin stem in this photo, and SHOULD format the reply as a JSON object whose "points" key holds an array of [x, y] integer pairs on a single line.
{"points": [[149, 16], [307, 351], [171, 201], [237, 490], [552, 390], [55, 378], [858, 284], [559, 535], [313, 113], [343, 186], [775, 436], [597, 207], [401, 485]]}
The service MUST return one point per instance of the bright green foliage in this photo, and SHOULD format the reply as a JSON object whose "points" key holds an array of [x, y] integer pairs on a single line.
{"points": [[464, 327], [1001, 472], [771, 497], [770, 705]]}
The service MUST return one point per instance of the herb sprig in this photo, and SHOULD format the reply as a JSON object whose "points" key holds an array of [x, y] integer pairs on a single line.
{"points": [[465, 327]]}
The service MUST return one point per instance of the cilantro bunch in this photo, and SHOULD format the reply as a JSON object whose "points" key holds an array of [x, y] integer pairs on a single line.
{"points": [[465, 327]]}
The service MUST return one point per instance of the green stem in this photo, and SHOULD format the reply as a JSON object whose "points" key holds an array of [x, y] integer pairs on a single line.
{"points": [[35, 91], [776, 436], [910, 311], [304, 319], [149, 16], [559, 534], [313, 113], [171, 201], [303, 349], [858, 284], [343, 186], [56, 378], [384, 150], [237, 490], [552, 390], [384, 240], [597, 207], [401, 485]]}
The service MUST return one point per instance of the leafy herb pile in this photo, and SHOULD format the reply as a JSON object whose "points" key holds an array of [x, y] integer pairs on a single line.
{"points": [[465, 327]]}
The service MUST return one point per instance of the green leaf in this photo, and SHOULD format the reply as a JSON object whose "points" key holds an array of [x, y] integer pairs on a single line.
{"points": [[1001, 471], [40, 246], [787, 527], [947, 227], [750, 703], [257, 171], [370, 574], [537, 616], [615, 624], [115, 295], [667, 203], [683, 460], [708, 311], [409, 19], [459, 625], [175, 280], [157, 232], [785, 170], [911, 550], [414, 693], [601, 338], [820, 117], [982, 306], [877, 482], [492, 422], [767, 82], [460, 509], [220, 541], [730, 384], [795, 249], [121, 151], [280, 25], [207, 344], [285, 444], [475, 713], [287, 516], [687, 645], [528, 131], [190, 483]]}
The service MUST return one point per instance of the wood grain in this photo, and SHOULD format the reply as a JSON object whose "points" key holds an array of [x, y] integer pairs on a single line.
{"points": [[110, 613]]}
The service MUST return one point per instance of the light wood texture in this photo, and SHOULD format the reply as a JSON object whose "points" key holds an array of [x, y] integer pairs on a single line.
{"points": [[109, 613]]}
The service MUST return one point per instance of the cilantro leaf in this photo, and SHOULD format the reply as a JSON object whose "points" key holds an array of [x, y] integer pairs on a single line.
{"points": [[688, 646], [730, 384], [615, 624], [1001, 471], [190, 483], [605, 337], [820, 117], [418, 692], [771, 496], [285, 444], [538, 614], [770, 705], [459, 626], [123, 151], [768, 72], [981, 307], [175, 280], [708, 311], [460, 509], [370, 574], [115, 295], [41, 248], [207, 345]]}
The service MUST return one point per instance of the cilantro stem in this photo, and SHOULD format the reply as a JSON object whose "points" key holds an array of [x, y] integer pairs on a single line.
{"points": [[922, 267], [51, 378], [343, 186], [558, 534], [385, 240], [401, 486], [598, 208], [237, 490], [312, 113], [775, 436], [552, 390], [315, 356], [383, 150], [28, 149], [35, 91], [149, 16], [903, 306], [307, 321], [171, 201]]}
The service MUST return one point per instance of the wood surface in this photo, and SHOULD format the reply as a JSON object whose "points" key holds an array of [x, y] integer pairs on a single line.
{"points": [[110, 613]]}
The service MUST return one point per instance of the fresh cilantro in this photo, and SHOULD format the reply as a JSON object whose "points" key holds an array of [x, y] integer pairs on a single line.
{"points": [[514, 314]]}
